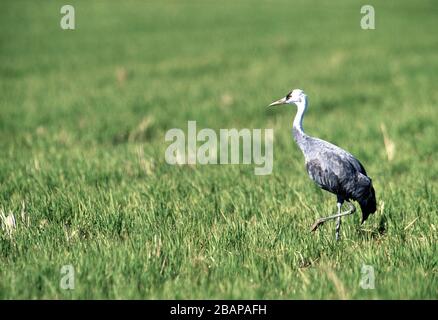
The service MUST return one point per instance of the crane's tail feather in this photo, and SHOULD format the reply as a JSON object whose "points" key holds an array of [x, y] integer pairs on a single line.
{"points": [[368, 204]]}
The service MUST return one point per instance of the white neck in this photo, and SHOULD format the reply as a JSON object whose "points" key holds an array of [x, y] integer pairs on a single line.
{"points": [[301, 109]]}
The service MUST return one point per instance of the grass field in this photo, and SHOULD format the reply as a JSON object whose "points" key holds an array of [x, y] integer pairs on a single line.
{"points": [[83, 115]]}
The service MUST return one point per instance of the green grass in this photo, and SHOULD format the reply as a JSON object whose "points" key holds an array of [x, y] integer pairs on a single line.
{"points": [[83, 116]]}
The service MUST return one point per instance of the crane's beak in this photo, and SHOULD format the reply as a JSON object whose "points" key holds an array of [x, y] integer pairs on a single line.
{"points": [[278, 102]]}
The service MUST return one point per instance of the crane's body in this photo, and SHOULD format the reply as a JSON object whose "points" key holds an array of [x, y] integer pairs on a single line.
{"points": [[330, 167]]}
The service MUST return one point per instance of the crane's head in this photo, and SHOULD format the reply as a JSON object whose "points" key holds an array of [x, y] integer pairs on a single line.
{"points": [[293, 97]]}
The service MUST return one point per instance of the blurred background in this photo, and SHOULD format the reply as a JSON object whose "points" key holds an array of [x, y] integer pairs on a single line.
{"points": [[83, 114]]}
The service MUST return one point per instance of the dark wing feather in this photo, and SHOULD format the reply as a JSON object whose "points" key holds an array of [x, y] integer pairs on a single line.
{"points": [[355, 163], [324, 178], [337, 171]]}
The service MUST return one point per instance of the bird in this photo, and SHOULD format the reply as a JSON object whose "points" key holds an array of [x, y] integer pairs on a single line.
{"points": [[332, 168]]}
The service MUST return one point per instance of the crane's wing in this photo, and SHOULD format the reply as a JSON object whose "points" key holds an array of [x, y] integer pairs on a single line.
{"points": [[323, 177], [334, 150], [334, 169], [339, 172]]}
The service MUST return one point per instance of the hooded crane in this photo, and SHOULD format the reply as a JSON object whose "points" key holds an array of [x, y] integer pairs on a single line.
{"points": [[331, 168]]}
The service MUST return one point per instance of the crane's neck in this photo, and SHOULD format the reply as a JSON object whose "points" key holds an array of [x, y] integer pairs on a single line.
{"points": [[297, 130], [301, 109]]}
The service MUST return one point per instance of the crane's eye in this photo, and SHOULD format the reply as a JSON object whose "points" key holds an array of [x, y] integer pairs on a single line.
{"points": [[288, 95]]}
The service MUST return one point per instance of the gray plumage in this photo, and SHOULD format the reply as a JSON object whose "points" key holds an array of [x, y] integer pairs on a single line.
{"points": [[330, 167], [337, 171]]}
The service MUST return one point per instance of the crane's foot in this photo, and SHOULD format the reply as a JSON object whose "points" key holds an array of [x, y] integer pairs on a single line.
{"points": [[338, 216], [317, 223]]}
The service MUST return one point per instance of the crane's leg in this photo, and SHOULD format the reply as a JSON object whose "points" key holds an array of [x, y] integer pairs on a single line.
{"points": [[338, 220], [320, 221]]}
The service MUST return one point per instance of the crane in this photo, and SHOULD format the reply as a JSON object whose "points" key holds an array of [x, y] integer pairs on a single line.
{"points": [[331, 168]]}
